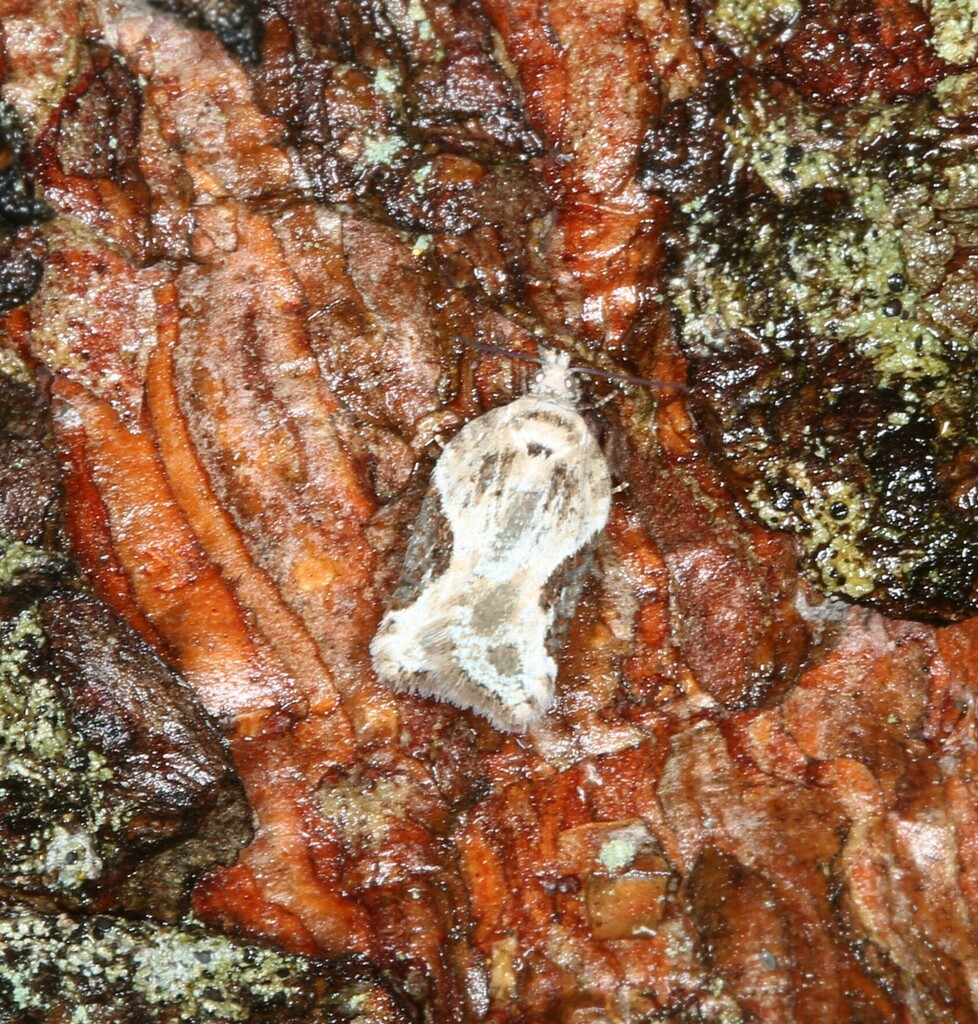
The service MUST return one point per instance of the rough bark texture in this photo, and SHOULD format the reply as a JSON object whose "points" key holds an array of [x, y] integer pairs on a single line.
{"points": [[21, 247], [749, 802], [827, 294], [116, 790]]}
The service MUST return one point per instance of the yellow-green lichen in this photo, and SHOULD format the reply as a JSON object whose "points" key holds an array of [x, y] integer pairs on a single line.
{"points": [[744, 24], [422, 244], [386, 81], [617, 853], [955, 30], [832, 540], [382, 149], [110, 969], [57, 826], [19, 560], [419, 16], [13, 367], [770, 146], [958, 94], [829, 305]]}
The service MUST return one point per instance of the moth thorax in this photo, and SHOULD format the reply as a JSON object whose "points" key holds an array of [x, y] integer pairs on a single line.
{"points": [[555, 379]]}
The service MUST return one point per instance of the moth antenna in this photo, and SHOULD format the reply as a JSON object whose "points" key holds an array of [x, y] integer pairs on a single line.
{"points": [[498, 350], [606, 374]]}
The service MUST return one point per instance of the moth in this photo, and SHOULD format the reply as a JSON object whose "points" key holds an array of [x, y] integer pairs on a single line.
{"points": [[499, 555]]}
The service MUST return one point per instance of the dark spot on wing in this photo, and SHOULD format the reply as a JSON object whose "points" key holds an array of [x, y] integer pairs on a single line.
{"points": [[505, 659], [494, 467], [547, 414], [490, 611], [429, 551], [558, 493]]}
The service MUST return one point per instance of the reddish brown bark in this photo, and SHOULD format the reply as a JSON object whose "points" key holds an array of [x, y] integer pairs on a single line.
{"points": [[247, 379]]}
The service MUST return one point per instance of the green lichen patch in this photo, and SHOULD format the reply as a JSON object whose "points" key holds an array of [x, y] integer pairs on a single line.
{"points": [[745, 24], [108, 970], [23, 565], [57, 829], [828, 302], [955, 35]]}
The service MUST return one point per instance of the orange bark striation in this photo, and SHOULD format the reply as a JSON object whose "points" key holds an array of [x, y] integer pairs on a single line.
{"points": [[737, 809], [591, 75]]}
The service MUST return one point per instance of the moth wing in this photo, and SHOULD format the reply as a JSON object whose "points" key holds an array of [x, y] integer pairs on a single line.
{"points": [[528, 477], [429, 551], [502, 543]]}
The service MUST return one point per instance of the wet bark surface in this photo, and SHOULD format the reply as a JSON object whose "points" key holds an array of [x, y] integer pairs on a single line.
{"points": [[749, 802], [825, 293]]}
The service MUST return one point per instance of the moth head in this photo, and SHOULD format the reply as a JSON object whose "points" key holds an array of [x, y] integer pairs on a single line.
{"points": [[555, 379]]}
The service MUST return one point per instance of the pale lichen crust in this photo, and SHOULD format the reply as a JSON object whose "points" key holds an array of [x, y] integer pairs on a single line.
{"points": [[828, 301], [57, 830], [107, 970]]}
